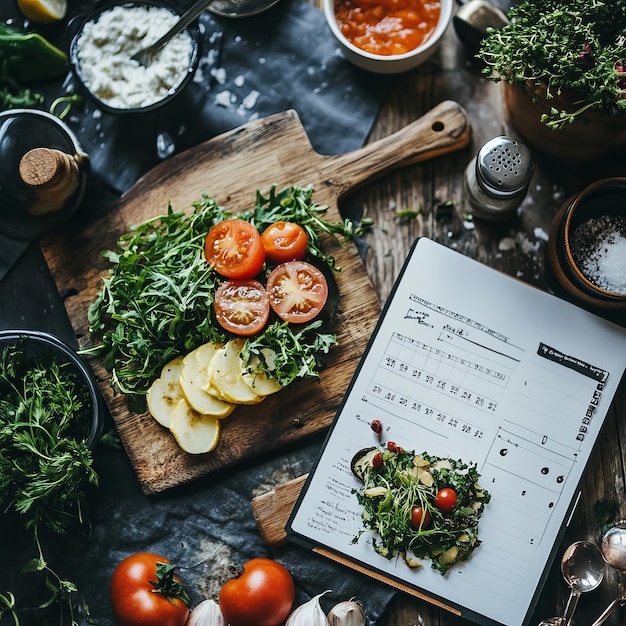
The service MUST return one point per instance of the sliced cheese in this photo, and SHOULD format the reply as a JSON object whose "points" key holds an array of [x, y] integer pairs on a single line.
{"points": [[165, 393], [193, 432]]}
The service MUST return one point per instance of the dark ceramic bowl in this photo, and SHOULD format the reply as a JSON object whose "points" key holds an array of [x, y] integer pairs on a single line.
{"points": [[43, 347], [603, 202], [78, 70]]}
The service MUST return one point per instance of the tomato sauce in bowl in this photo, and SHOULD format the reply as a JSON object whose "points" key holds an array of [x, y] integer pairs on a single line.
{"points": [[387, 27]]}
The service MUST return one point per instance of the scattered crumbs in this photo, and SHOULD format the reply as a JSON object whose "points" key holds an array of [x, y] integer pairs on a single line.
{"points": [[392, 205], [219, 73], [215, 36], [224, 98], [540, 234], [599, 249], [262, 60], [238, 39], [165, 145], [469, 225], [310, 71], [181, 130], [212, 57], [521, 241], [97, 114], [239, 80], [251, 99], [558, 194], [508, 243]]}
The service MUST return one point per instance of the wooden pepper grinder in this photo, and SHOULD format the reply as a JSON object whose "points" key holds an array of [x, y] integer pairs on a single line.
{"points": [[53, 175]]}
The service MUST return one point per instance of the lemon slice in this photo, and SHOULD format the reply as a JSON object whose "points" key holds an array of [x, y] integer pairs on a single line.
{"points": [[43, 11]]}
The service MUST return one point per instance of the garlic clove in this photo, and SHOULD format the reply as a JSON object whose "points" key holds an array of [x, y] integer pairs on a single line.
{"points": [[207, 613], [309, 614], [348, 613]]}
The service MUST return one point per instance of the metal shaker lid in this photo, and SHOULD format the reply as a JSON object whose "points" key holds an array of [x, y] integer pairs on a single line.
{"points": [[504, 167]]}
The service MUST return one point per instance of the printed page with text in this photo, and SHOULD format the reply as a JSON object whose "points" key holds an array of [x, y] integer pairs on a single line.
{"points": [[468, 363]]}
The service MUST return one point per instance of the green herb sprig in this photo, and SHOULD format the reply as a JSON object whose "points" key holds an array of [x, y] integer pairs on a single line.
{"points": [[577, 47], [156, 302]]}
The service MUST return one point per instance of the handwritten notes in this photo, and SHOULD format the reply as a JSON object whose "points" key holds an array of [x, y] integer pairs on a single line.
{"points": [[471, 364]]}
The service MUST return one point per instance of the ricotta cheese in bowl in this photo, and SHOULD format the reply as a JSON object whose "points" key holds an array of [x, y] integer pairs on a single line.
{"points": [[101, 54]]}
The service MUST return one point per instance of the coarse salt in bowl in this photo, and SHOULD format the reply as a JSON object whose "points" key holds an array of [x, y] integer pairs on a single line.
{"points": [[372, 46], [594, 236], [101, 51]]}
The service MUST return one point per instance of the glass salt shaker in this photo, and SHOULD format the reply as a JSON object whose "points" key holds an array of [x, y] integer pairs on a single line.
{"points": [[497, 179]]}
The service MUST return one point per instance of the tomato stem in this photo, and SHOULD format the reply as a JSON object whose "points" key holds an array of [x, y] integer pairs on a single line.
{"points": [[168, 584]]}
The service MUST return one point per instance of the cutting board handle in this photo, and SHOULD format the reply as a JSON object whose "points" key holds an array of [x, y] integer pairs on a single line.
{"points": [[444, 129]]}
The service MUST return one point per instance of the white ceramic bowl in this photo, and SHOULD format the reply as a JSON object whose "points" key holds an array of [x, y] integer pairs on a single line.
{"points": [[392, 64]]}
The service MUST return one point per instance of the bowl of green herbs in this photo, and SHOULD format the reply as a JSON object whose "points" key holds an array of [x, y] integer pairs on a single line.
{"points": [[51, 417], [563, 71]]}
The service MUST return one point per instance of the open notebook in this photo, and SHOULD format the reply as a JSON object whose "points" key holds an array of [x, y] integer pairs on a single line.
{"points": [[469, 363]]}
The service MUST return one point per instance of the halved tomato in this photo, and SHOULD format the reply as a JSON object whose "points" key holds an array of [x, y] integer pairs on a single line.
{"points": [[298, 291], [242, 306], [284, 241], [234, 248]]}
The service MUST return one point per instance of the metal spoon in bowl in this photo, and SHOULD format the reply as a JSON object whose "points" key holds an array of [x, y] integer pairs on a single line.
{"points": [[227, 8], [582, 567], [145, 55], [613, 548]]}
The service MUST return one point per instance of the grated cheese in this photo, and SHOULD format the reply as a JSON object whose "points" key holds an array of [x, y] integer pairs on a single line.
{"points": [[107, 43]]}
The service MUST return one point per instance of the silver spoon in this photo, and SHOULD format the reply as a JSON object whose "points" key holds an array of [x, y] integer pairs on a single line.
{"points": [[226, 8], [613, 548], [145, 55], [582, 567]]}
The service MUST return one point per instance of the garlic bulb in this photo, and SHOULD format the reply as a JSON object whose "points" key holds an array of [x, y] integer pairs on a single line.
{"points": [[348, 613], [207, 613], [309, 614]]}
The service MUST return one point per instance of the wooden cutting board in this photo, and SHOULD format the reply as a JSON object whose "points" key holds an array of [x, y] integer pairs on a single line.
{"points": [[230, 168]]}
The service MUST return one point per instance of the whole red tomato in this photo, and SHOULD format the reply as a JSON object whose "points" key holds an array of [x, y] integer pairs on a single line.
{"points": [[262, 594], [145, 591]]}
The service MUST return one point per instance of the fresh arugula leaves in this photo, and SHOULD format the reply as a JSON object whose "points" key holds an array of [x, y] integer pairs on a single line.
{"points": [[156, 302]]}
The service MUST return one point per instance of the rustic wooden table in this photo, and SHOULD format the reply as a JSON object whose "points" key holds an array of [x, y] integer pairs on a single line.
{"points": [[515, 247]]}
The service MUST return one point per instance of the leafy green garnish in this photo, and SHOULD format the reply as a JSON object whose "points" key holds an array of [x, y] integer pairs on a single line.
{"points": [[45, 462], [404, 480], [577, 46], [294, 353], [156, 302]]}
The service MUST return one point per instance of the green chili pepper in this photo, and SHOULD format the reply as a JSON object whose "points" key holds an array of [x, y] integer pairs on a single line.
{"points": [[26, 58]]}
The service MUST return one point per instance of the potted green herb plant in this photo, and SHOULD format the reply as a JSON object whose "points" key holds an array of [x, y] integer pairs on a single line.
{"points": [[563, 66]]}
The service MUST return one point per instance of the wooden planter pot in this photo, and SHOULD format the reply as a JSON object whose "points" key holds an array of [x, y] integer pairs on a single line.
{"points": [[585, 140]]}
